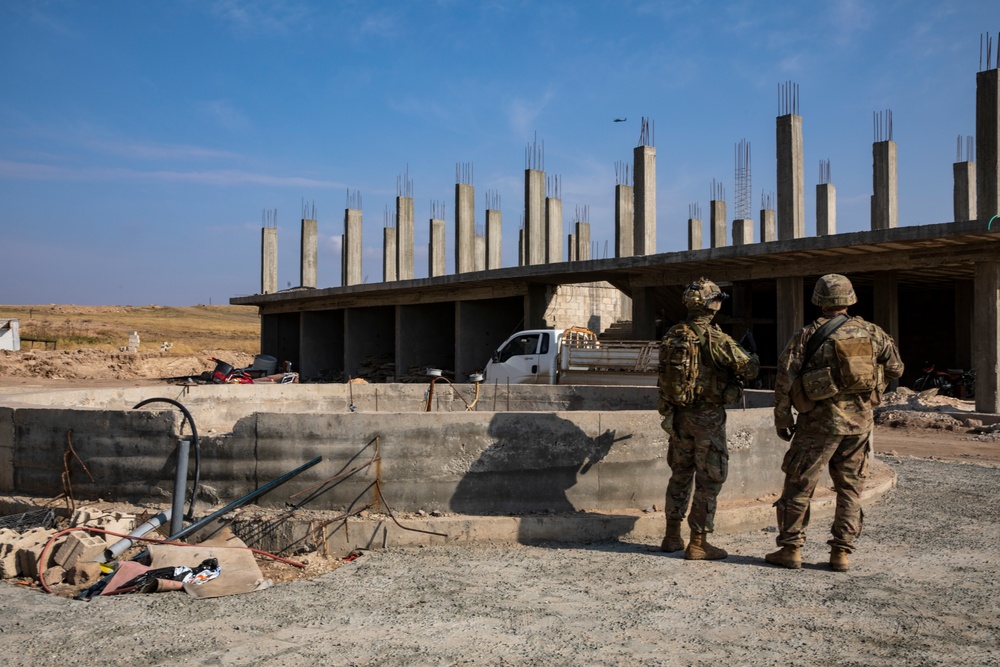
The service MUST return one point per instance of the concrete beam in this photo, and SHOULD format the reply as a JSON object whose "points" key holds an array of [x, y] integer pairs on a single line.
{"points": [[791, 177], [465, 228], [534, 217], [988, 144], [624, 221], [494, 239], [644, 199], [986, 340], [309, 252], [826, 209], [352, 251], [436, 249], [768, 226], [742, 232], [790, 309], [717, 223], [269, 260], [404, 238], [388, 254], [885, 188], [964, 192], [553, 230]]}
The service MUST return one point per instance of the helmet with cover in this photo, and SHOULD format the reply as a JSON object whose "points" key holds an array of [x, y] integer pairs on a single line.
{"points": [[703, 294], [834, 291]]}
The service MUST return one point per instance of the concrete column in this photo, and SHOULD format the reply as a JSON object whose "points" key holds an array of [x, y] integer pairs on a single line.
{"points": [[480, 253], [624, 221], [352, 248], [583, 241], [268, 260], [436, 249], [986, 324], [826, 209], [571, 247], [964, 290], [791, 178], [553, 230], [520, 247], [742, 306], [887, 302], [768, 228], [494, 252], [389, 254], [309, 250], [534, 216], [644, 199], [742, 232], [643, 313], [885, 197], [694, 234], [536, 303], [790, 309], [465, 228], [987, 146], [717, 223], [964, 194], [404, 238]]}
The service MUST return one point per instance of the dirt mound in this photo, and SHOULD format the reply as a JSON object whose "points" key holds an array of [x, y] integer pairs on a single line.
{"points": [[89, 364]]}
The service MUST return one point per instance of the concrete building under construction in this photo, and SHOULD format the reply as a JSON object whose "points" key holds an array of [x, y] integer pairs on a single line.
{"points": [[935, 288]]}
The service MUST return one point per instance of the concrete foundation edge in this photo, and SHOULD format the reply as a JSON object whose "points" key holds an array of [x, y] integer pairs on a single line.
{"points": [[630, 526]]}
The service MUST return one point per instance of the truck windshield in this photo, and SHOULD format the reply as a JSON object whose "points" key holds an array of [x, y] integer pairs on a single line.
{"points": [[519, 347]]}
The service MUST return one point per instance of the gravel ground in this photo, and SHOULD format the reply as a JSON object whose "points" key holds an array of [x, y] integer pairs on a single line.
{"points": [[923, 591]]}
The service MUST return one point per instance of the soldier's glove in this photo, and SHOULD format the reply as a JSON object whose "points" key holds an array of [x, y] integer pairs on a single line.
{"points": [[786, 433]]}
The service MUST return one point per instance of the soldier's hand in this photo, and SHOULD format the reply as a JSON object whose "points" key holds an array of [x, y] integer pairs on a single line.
{"points": [[786, 433]]}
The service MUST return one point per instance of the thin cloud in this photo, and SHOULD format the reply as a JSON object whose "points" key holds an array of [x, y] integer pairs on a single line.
{"points": [[224, 114], [522, 114], [154, 151], [255, 17], [26, 171]]}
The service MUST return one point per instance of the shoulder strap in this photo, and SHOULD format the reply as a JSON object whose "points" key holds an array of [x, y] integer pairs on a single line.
{"points": [[821, 335]]}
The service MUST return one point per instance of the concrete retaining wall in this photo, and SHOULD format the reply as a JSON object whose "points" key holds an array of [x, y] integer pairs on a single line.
{"points": [[477, 462]]}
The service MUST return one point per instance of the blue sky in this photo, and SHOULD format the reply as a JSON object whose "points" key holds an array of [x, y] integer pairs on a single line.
{"points": [[140, 142]]}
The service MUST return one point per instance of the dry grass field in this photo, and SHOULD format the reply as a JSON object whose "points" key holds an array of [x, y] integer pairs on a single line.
{"points": [[74, 344], [188, 329]]}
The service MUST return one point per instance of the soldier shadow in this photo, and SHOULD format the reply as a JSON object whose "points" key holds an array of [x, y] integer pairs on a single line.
{"points": [[533, 462]]}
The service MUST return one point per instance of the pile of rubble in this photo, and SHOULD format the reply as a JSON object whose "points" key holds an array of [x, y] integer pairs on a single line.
{"points": [[906, 408], [74, 558]]}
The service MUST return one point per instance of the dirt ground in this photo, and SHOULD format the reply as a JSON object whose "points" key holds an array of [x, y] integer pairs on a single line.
{"points": [[922, 591]]}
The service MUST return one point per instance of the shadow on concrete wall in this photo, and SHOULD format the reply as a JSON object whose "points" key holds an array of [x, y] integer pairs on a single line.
{"points": [[529, 468]]}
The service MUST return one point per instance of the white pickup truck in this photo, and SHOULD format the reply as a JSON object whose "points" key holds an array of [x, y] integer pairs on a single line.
{"points": [[572, 356]]}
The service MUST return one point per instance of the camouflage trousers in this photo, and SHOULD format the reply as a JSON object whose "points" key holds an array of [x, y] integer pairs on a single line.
{"points": [[809, 453], [697, 456]]}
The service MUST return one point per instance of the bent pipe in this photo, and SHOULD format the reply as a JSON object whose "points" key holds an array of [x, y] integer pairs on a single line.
{"points": [[194, 442]]}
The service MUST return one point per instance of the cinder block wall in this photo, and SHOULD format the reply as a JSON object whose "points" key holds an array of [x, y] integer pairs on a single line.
{"points": [[595, 305]]}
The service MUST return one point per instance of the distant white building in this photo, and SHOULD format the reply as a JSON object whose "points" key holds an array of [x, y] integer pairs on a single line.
{"points": [[10, 335]]}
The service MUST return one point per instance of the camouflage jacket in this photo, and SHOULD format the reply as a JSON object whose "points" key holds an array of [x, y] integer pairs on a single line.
{"points": [[725, 361], [842, 414]]}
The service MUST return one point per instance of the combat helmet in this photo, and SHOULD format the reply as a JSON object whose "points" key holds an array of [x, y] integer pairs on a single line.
{"points": [[834, 291], [703, 294]]}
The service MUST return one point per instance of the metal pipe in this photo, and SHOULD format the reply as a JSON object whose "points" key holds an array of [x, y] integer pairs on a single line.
{"points": [[180, 486], [121, 545], [197, 525]]}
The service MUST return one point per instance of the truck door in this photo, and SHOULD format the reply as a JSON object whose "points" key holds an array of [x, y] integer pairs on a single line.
{"points": [[517, 361]]}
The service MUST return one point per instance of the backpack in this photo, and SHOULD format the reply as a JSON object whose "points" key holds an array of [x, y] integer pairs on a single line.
{"points": [[856, 364], [678, 369]]}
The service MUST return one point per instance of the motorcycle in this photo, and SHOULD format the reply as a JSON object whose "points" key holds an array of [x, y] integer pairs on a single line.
{"points": [[948, 382], [224, 373]]}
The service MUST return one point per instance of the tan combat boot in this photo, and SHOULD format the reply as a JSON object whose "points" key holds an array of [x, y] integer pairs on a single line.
{"points": [[673, 541], [789, 557], [699, 549], [838, 559]]}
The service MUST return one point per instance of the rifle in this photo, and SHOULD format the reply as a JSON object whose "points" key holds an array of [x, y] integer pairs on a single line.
{"points": [[748, 343]]}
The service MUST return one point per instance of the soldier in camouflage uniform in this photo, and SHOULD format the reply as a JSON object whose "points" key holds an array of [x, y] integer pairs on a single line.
{"points": [[834, 431], [697, 452]]}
